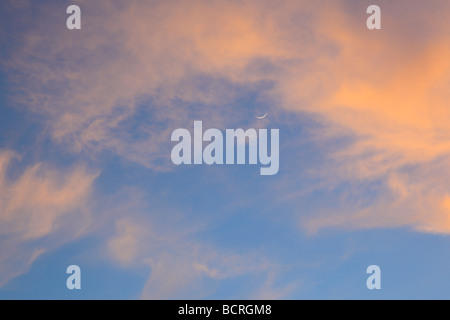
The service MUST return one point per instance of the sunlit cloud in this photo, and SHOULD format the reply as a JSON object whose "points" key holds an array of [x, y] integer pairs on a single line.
{"points": [[390, 91], [39, 211], [152, 58], [138, 70], [271, 290]]}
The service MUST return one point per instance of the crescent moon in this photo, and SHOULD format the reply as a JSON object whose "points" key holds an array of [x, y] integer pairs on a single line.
{"points": [[260, 118]]}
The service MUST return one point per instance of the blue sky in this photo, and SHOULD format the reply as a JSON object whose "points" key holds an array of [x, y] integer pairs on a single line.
{"points": [[87, 179]]}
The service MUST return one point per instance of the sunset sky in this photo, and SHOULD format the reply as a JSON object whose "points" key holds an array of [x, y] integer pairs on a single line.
{"points": [[86, 176]]}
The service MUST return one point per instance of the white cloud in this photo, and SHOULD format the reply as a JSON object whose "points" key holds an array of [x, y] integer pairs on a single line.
{"points": [[178, 263]]}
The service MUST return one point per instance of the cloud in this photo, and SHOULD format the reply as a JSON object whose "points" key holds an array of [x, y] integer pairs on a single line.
{"points": [[271, 291], [138, 70], [389, 91], [418, 199], [179, 263], [39, 210]]}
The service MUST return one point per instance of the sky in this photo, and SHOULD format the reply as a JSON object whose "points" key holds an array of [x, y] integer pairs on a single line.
{"points": [[86, 176]]}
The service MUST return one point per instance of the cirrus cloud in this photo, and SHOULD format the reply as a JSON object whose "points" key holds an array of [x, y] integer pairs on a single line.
{"points": [[39, 211], [136, 70]]}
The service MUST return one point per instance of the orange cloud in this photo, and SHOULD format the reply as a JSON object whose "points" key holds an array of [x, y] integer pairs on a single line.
{"points": [[39, 211], [415, 200], [390, 90], [137, 51], [387, 88]]}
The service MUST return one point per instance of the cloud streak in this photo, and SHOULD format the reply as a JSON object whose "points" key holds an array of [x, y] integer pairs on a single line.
{"points": [[180, 266], [39, 211]]}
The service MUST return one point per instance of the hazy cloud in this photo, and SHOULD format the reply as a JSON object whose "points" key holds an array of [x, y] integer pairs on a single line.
{"points": [[178, 263], [39, 210], [138, 70]]}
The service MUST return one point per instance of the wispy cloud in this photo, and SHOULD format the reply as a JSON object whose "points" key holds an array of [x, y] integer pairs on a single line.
{"points": [[138, 70], [142, 58], [39, 211], [271, 290], [178, 263], [389, 92]]}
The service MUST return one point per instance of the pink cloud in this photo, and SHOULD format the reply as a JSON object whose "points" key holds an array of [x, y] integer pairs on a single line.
{"points": [[40, 210], [387, 88]]}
